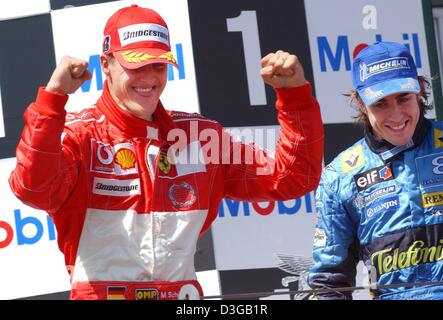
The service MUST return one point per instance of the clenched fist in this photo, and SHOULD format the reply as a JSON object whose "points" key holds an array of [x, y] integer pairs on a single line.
{"points": [[282, 70], [68, 76]]}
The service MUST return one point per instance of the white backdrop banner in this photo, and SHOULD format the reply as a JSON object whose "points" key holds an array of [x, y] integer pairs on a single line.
{"points": [[252, 235], [339, 29], [30, 261], [78, 32], [23, 8]]}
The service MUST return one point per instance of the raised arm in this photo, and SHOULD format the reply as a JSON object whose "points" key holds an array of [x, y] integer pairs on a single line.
{"points": [[46, 168], [296, 166]]}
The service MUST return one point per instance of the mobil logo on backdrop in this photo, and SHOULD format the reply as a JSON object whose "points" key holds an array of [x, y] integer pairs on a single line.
{"points": [[236, 209], [336, 54], [22, 230]]}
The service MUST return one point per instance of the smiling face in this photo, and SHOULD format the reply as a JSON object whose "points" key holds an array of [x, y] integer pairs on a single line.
{"points": [[394, 118], [138, 90]]}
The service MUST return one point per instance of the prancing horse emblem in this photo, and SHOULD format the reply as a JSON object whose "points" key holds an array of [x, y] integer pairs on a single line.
{"points": [[164, 164]]}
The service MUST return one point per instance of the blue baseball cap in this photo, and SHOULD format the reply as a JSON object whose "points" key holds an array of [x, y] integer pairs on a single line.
{"points": [[382, 69]]}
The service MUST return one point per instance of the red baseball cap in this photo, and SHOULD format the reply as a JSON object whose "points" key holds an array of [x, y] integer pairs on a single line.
{"points": [[136, 37]]}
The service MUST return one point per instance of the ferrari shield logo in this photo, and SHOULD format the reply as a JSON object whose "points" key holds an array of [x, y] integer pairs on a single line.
{"points": [[164, 164]]}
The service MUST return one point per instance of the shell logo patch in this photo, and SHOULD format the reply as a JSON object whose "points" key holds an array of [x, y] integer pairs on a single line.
{"points": [[125, 158]]}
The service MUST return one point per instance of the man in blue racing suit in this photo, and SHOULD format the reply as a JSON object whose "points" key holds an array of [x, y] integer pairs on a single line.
{"points": [[381, 200]]}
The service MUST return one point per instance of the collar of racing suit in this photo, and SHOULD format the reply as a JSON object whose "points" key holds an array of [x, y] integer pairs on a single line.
{"points": [[131, 125], [388, 151]]}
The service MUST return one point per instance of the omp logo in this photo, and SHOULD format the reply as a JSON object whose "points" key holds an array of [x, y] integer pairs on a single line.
{"points": [[342, 52], [2, 123], [146, 294]]}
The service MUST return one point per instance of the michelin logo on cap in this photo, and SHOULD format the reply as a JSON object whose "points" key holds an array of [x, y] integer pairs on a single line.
{"points": [[367, 71]]}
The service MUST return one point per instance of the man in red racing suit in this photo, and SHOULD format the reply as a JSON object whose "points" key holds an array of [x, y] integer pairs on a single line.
{"points": [[121, 182]]}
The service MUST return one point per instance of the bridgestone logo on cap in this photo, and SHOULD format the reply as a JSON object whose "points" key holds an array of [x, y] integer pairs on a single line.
{"points": [[143, 32]]}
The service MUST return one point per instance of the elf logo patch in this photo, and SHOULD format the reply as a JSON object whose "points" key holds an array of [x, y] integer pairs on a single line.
{"points": [[371, 177]]}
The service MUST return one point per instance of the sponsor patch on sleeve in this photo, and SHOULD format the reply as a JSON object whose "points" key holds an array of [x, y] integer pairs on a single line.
{"points": [[319, 238]]}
